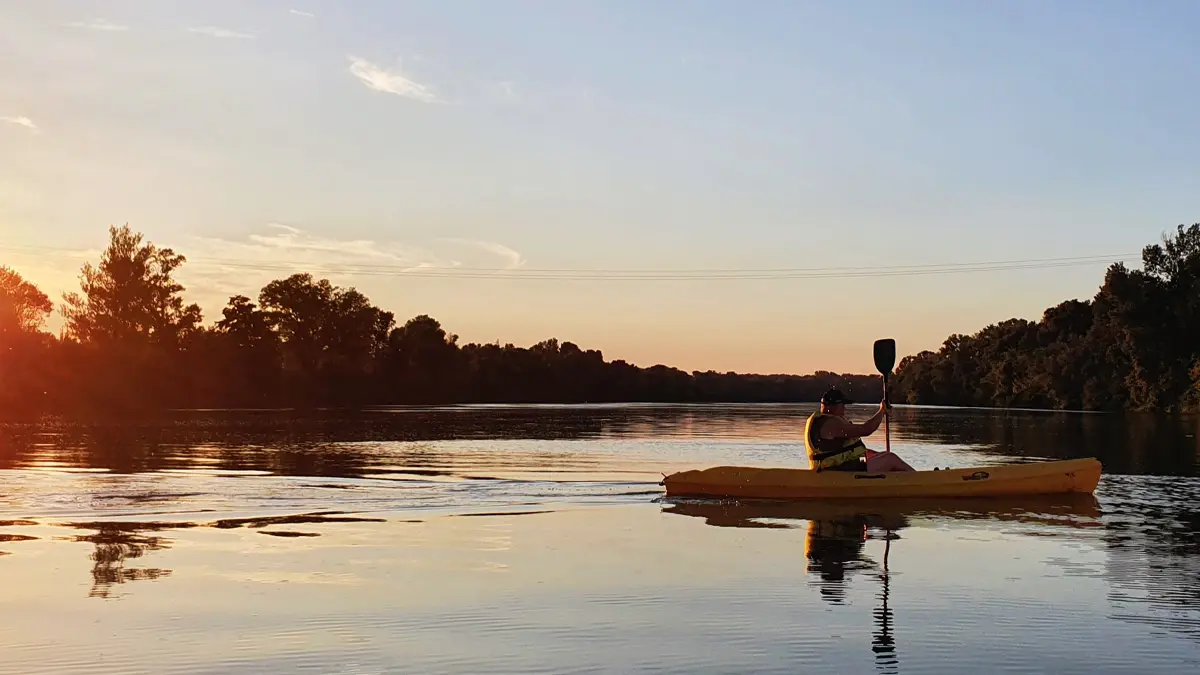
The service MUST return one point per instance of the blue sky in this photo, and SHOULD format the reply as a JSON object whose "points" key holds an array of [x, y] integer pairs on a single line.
{"points": [[260, 138]]}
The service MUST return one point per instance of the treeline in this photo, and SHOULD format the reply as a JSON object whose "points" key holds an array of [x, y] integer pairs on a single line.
{"points": [[130, 342], [1134, 346]]}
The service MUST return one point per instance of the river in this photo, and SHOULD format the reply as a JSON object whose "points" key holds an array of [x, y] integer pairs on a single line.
{"points": [[535, 539]]}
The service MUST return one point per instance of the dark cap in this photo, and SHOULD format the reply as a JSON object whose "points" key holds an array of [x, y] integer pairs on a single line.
{"points": [[835, 397]]}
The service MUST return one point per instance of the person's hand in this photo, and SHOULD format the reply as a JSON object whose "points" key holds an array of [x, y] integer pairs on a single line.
{"points": [[885, 405]]}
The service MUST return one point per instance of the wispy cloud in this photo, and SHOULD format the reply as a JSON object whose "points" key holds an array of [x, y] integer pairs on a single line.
{"points": [[512, 259], [291, 240], [285, 243], [220, 267], [213, 31], [21, 122], [505, 90], [390, 81], [98, 24], [300, 13]]}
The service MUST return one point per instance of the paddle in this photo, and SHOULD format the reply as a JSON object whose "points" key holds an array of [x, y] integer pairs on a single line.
{"points": [[885, 360]]}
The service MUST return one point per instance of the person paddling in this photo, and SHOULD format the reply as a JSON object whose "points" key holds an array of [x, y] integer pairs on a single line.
{"points": [[835, 443]]}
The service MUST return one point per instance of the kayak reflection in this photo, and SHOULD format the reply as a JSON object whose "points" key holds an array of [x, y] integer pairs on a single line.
{"points": [[839, 529], [1071, 510]]}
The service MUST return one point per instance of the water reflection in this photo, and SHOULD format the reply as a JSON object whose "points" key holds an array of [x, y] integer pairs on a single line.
{"points": [[837, 533], [833, 548], [10, 536], [118, 542], [883, 643], [351, 443], [1153, 540], [321, 517], [1074, 510], [1133, 443]]}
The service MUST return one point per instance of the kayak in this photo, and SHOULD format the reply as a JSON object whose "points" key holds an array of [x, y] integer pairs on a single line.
{"points": [[1039, 478]]}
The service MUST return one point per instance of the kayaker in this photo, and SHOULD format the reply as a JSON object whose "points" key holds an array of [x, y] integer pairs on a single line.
{"points": [[835, 443]]}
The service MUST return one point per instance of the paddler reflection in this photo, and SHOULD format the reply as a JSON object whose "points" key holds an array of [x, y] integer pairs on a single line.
{"points": [[837, 534], [835, 548]]}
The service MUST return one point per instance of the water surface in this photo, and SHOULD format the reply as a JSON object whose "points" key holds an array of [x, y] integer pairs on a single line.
{"points": [[530, 539]]}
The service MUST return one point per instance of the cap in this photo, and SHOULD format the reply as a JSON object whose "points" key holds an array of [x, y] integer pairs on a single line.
{"points": [[835, 397]]}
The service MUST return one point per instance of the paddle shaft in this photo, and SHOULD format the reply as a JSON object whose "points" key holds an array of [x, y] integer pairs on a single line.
{"points": [[887, 431], [885, 360]]}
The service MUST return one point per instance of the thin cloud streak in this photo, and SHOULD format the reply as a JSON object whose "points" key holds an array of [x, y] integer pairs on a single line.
{"points": [[513, 259], [290, 247], [391, 82], [213, 31], [300, 13], [21, 122], [98, 24], [505, 90], [293, 240], [218, 268]]}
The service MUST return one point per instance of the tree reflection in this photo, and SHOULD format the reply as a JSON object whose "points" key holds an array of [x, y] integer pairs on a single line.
{"points": [[118, 542], [347, 443], [352, 444], [1152, 536], [1125, 444]]}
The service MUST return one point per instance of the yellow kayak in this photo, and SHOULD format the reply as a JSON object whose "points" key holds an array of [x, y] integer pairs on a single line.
{"points": [[1041, 478]]}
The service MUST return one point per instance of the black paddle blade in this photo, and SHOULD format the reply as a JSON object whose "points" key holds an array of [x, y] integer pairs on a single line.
{"points": [[885, 355]]}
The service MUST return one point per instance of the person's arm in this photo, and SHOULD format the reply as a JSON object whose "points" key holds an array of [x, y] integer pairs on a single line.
{"points": [[840, 428]]}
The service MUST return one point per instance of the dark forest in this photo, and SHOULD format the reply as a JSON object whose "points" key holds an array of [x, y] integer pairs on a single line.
{"points": [[1134, 346], [130, 343]]}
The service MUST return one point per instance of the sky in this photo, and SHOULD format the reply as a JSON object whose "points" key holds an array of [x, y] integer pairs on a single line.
{"points": [[525, 169]]}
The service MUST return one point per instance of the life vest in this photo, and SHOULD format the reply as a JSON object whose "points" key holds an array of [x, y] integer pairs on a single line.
{"points": [[827, 453]]}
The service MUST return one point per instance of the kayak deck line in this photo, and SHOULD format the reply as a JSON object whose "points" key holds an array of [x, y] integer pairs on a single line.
{"points": [[1038, 478]]}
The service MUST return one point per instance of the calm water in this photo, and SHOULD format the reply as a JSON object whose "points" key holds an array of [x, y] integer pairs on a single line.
{"points": [[535, 540]]}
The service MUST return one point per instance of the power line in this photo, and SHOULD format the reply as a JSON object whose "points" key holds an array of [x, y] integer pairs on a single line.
{"points": [[653, 275], [614, 274]]}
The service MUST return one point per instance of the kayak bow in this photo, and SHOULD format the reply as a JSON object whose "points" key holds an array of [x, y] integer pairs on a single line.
{"points": [[1040, 478]]}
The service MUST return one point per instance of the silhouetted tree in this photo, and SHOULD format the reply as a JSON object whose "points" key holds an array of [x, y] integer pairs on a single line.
{"points": [[25, 350], [423, 363], [128, 327], [332, 338], [23, 307], [1135, 345], [247, 326], [247, 349], [131, 296]]}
